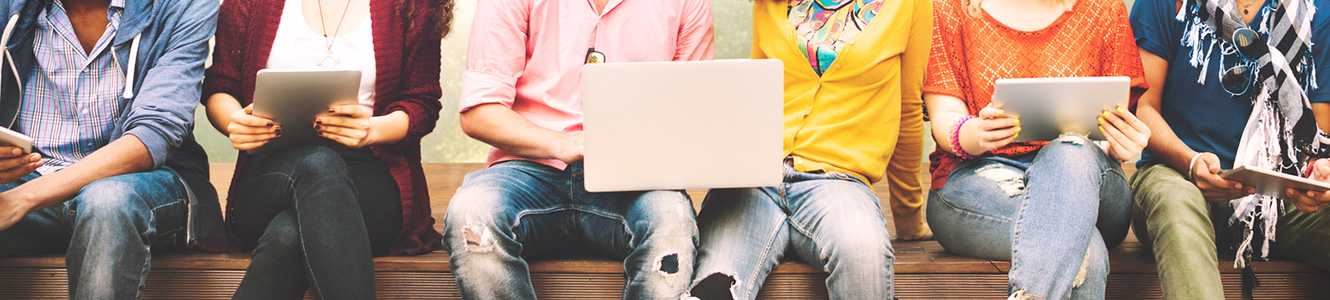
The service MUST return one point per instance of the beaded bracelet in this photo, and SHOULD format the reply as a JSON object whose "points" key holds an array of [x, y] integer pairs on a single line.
{"points": [[956, 138]]}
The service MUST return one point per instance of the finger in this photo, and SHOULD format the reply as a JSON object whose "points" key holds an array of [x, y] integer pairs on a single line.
{"points": [[252, 121], [19, 162], [11, 175], [1211, 162], [1321, 170], [341, 139], [1135, 122], [354, 134], [998, 124], [991, 113], [236, 128], [352, 110], [1115, 147], [252, 138], [1001, 134], [342, 121], [249, 109], [248, 146], [7, 152], [1114, 133], [1301, 201]]}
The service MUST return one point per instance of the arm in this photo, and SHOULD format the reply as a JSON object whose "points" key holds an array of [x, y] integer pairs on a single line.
{"points": [[905, 184], [1165, 146], [159, 119], [498, 47], [696, 41], [401, 122]]}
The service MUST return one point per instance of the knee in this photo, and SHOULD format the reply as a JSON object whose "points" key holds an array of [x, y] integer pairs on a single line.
{"points": [[315, 160], [666, 214], [871, 251], [281, 236], [111, 200]]}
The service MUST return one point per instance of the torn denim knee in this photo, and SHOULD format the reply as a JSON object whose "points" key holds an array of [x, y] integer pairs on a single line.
{"points": [[479, 239], [1010, 181], [717, 286]]}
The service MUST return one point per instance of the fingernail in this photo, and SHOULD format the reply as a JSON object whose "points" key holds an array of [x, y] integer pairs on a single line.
{"points": [[279, 132], [1121, 111], [270, 124], [1101, 120], [16, 151], [1018, 129], [1101, 128], [1106, 114], [1001, 112], [331, 110], [316, 127], [1016, 122], [318, 121]]}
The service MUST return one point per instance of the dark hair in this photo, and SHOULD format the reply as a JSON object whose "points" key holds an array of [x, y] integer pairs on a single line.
{"points": [[440, 9]]}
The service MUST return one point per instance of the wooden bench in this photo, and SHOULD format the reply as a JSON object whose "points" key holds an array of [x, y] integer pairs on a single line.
{"points": [[923, 269]]}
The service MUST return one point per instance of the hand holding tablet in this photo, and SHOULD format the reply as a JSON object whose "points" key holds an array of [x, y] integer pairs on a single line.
{"points": [[1276, 184]]}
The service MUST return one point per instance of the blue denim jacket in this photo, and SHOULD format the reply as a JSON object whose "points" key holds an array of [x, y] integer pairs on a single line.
{"points": [[163, 45]]}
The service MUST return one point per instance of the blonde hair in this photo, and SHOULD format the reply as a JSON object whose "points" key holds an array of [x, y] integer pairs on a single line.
{"points": [[972, 6]]}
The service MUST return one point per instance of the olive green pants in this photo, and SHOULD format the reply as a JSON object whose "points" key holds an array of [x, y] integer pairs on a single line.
{"points": [[1175, 221]]}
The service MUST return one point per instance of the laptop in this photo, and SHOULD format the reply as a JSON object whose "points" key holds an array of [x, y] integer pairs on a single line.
{"points": [[293, 98], [1048, 107], [682, 125]]}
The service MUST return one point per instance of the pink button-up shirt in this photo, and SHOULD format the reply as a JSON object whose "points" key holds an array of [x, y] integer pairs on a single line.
{"points": [[528, 54]]}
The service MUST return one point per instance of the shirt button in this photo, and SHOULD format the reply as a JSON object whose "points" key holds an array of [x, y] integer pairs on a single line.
{"points": [[84, 111], [798, 161]]}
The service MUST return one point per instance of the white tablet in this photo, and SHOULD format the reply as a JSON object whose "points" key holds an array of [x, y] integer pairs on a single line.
{"points": [[1049, 107], [15, 139], [1271, 183], [293, 98]]}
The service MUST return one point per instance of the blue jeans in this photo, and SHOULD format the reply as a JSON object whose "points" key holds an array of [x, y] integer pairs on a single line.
{"points": [[107, 232], [1053, 213], [832, 220], [520, 209]]}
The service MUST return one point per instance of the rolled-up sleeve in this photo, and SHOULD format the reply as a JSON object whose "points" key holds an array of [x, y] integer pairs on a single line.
{"points": [[696, 33], [162, 111], [496, 56]]}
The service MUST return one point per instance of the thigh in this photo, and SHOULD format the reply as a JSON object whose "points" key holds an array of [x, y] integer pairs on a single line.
{"points": [[973, 213], [379, 196], [834, 214], [521, 200], [617, 223], [156, 199], [1163, 198], [743, 234], [1305, 237]]}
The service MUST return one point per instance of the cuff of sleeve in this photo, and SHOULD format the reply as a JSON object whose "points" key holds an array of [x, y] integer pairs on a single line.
{"points": [[484, 88], [156, 144]]}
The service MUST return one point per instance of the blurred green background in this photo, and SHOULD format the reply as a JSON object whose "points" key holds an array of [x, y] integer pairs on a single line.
{"points": [[732, 19]]}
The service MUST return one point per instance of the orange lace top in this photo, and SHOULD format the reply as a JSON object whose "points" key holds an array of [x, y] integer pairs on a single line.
{"points": [[970, 52]]}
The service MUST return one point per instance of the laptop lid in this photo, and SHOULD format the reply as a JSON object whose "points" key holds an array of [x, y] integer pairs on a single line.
{"points": [[680, 125]]}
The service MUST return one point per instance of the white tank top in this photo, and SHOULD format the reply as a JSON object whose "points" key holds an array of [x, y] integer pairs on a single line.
{"points": [[299, 47]]}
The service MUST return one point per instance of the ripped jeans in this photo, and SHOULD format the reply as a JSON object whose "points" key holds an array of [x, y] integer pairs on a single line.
{"points": [[1053, 213], [516, 210], [831, 220]]}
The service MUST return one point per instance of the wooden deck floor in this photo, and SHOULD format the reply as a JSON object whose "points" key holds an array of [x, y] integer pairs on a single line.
{"points": [[923, 270]]}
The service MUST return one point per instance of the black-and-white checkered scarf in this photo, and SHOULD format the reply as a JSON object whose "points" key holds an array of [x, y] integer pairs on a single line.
{"points": [[1281, 133]]}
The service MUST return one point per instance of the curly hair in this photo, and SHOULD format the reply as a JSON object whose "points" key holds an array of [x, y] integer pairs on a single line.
{"points": [[441, 10]]}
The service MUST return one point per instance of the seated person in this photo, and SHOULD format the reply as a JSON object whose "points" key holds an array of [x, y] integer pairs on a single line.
{"points": [[1182, 205], [1052, 208], [107, 89], [521, 94], [848, 107], [314, 216]]}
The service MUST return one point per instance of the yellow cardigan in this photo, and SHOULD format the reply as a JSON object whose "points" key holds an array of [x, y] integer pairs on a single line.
{"points": [[849, 119]]}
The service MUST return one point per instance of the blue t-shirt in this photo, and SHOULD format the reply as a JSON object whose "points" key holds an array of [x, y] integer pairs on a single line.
{"points": [[1206, 117]]}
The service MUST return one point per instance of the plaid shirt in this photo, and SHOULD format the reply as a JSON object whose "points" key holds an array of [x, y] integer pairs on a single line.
{"points": [[71, 101]]}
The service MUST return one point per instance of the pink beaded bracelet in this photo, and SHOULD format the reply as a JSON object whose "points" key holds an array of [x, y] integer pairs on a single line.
{"points": [[956, 138]]}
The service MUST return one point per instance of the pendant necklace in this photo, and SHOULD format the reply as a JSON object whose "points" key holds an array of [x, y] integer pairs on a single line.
{"points": [[329, 61], [1246, 8]]}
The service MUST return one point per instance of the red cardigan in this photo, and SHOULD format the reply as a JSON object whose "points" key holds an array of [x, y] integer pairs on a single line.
{"points": [[407, 36]]}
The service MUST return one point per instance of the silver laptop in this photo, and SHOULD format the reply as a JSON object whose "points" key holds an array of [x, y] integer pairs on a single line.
{"points": [[294, 98], [1048, 107], [680, 125]]}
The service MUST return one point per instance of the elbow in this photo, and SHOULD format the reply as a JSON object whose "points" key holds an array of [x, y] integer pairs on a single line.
{"points": [[470, 123]]}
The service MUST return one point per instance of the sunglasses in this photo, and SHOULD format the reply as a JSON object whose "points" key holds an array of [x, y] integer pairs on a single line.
{"points": [[594, 57], [1239, 79]]}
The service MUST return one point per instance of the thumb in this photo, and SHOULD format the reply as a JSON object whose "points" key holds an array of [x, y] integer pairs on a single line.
{"points": [[249, 110], [1212, 161]]}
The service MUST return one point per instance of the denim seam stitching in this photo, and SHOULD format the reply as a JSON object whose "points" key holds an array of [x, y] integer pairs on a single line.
{"points": [[762, 258], [518, 220], [948, 203]]}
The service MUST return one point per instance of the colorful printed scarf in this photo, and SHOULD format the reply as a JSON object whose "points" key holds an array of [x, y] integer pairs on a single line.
{"points": [[1281, 133], [823, 27]]}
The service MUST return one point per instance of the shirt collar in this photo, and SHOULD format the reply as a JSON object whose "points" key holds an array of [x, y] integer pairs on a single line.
{"points": [[114, 4]]}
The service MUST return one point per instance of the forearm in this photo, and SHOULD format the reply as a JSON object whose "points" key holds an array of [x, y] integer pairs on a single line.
{"points": [[219, 108], [123, 156], [503, 128], [388, 129], [944, 112]]}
